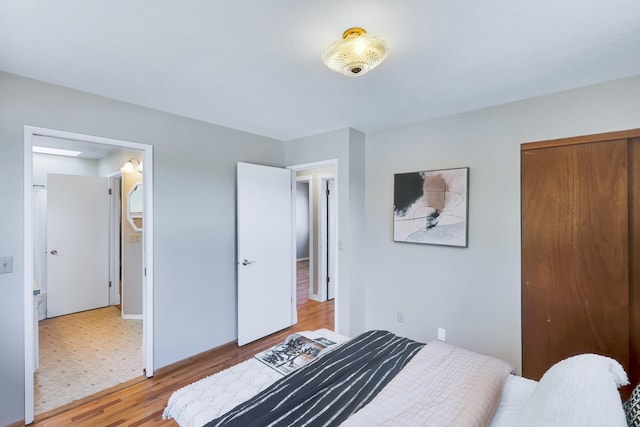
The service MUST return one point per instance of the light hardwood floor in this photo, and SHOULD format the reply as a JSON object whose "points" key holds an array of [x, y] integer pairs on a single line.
{"points": [[142, 400]]}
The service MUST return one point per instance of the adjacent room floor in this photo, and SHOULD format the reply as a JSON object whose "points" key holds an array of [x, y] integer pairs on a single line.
{"points": [[83, 353]]}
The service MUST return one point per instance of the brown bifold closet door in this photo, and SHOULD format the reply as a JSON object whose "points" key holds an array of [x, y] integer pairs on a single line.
{"points": [[634, 261], [575, 253]]}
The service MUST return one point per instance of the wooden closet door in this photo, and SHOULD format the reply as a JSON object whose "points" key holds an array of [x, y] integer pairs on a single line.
{"points": [[575, 275], [634, 261]]}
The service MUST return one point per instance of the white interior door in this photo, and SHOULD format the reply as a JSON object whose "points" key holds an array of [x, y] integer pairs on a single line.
{"points": [[265, 251], [78, 243]]}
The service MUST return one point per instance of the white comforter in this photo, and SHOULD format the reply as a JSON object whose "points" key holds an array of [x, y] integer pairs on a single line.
{"points": [[442, 385], [202, 401], [403, 398], [576, 391]]}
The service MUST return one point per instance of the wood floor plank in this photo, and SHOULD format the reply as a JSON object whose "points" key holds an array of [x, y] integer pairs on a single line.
{"points": [[141, 401]]}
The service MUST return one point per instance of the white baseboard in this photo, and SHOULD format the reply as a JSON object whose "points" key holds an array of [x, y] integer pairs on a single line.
{"points": [[132, 316], [316, 297], [303, 259]]}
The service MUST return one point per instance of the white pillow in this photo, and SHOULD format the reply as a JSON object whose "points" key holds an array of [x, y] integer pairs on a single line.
{"points": [[580, 391]]}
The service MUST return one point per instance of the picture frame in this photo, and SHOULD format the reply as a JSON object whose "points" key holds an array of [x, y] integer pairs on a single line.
{"points": [[431, 207]]}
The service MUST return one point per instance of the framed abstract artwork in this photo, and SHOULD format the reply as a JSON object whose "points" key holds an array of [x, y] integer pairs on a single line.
{"points": [[431, 207]]}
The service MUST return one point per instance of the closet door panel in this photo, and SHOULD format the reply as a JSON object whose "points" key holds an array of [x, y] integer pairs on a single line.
{"points": [[575, 287], [634, 259]]}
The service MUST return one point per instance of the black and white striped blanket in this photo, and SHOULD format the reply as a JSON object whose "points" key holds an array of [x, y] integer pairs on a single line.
{"points": [[331, 388]]}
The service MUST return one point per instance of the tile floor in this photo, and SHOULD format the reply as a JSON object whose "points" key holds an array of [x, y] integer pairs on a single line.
{"points": [[83, 353]]}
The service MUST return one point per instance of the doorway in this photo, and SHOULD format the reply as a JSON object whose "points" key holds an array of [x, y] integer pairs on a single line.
{"points": [[317, 183], [267, 269], [32, 135]]}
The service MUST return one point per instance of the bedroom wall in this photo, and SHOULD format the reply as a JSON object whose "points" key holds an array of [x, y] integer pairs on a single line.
{"points": [[195, 166], [473, 293]]}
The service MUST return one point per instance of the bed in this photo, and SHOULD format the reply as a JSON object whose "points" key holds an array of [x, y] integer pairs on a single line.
{"points": [[379, 378]]}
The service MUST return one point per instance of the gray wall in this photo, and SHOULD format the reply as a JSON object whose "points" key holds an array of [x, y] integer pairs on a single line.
{"points": [[195, 165], [473, 293]]}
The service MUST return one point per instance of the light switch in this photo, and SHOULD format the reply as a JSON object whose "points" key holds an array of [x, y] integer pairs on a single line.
{"points": [[6, 264]]}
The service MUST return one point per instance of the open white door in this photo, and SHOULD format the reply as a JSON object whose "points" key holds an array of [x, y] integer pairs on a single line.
{"points": [[265, 251], [77, 243]]}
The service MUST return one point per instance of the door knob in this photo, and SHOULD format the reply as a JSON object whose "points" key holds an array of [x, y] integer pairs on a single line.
{"points": [[247, 262], [54, 252]]}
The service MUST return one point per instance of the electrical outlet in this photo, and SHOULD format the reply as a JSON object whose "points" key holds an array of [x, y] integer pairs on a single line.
{"points": [[442, 334], [6, 264], [400, 316]]}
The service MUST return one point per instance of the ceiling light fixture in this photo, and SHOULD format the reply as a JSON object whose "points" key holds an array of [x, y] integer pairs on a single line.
{"points": [[129, 168], [356, 53]]}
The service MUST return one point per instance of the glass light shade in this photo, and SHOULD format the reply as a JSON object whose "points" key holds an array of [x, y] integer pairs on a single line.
{"points": [[128, 167], [356, 53]]}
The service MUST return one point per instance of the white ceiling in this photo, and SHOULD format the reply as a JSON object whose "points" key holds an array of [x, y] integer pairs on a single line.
{"points": [[255, 65]]}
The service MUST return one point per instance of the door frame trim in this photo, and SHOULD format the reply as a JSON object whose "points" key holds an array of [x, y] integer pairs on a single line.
{"points": [[147, 288], [326, 238], [333, 163], [115, 208], [306, 179]]}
